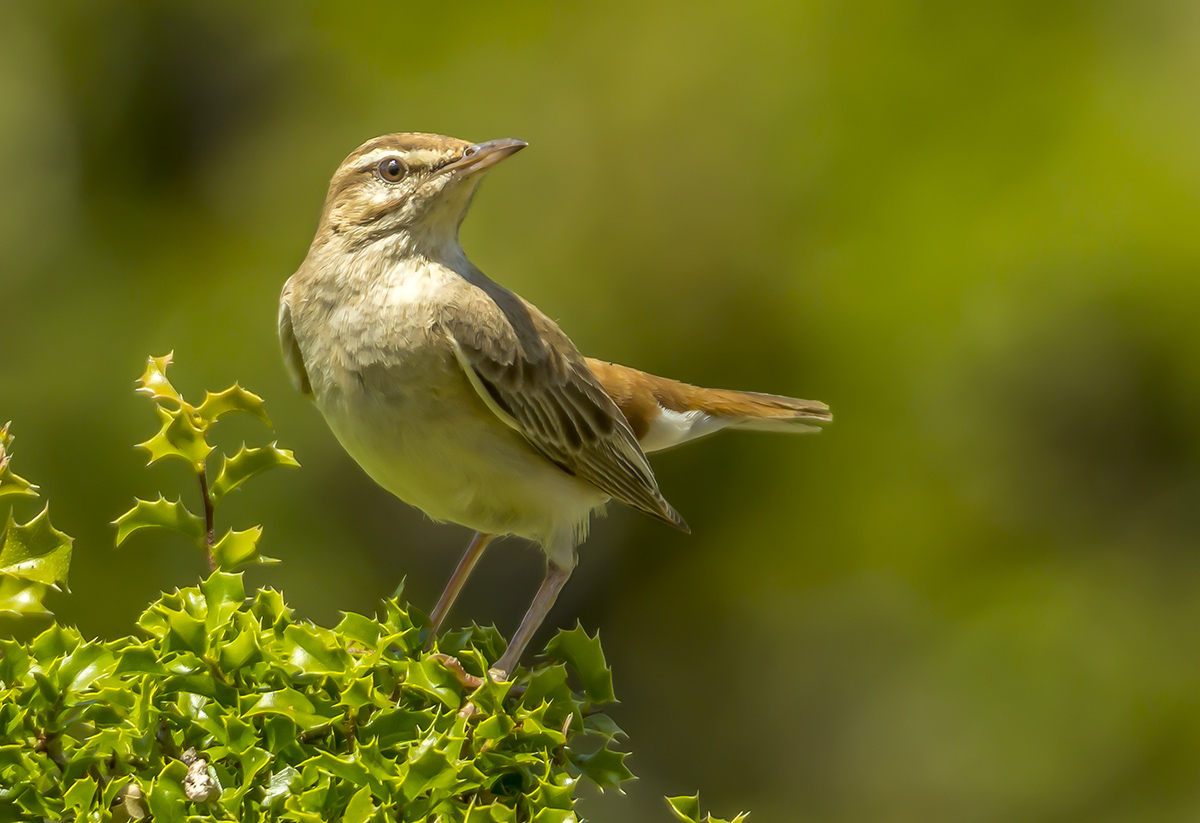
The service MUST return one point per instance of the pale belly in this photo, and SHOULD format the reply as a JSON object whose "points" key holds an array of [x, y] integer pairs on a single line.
{"points": [[419, 430]]}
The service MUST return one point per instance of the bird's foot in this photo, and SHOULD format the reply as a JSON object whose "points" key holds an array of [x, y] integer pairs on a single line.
{"points": [[464, 678], [470, 681]]}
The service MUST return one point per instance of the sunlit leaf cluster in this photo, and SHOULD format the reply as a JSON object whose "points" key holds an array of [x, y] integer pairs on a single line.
{"points": [[183, 436], [34, 556], [227, 707], [293, 721]]}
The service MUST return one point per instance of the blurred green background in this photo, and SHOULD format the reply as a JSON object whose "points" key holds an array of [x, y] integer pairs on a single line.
{"points": [[972, 229]]}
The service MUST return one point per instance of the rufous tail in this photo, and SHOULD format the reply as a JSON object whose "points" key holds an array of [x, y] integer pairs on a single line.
{"points": [[665, 413]]}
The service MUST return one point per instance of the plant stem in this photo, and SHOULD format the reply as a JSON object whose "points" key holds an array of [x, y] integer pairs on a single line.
{"points": [[209, 534]]}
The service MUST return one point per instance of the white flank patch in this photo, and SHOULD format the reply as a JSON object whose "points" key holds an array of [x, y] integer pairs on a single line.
{"points": [[672, 428]]}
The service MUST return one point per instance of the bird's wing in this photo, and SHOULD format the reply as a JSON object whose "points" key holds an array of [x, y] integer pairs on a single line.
{"points": [[533, 378], [292, 358]]}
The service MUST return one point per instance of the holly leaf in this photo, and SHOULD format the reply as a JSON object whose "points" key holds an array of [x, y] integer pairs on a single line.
{"points": [[245, 464], [584, 655], [491, 813], [555, 816], [78, 798], [22, 597], [555, 800], [179, 436], [360, 809], [35, 551], [315, 651], [429, 769], [495, 727], [687, 809], [293, 705], [168, 801], [154, 382], [11, 485], [604, 767], [159, 514], [233, 399], [239, 549]]}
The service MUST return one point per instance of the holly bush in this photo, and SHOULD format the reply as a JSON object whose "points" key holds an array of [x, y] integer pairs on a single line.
{"points": [[34, 556], [225, 706]]}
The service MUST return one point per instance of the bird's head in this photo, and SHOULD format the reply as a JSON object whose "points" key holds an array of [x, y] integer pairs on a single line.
{"points": [[413, 187]]}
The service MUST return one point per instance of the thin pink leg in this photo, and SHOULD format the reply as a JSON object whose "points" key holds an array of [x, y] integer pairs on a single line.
{"points": [[552, 584], [457, 580]]}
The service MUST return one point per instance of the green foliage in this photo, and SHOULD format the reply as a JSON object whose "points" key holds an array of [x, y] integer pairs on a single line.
{"points": [[161, 514], [183, 435], [291, 720], [11, 485], [228, 707], [687, 809], [34, 556]]}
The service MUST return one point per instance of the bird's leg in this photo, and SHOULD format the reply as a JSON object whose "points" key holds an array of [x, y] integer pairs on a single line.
{"points": [[556, 577], [457, 580]]}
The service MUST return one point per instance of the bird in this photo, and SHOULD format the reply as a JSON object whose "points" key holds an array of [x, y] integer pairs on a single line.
{"points": [[460, 397]]}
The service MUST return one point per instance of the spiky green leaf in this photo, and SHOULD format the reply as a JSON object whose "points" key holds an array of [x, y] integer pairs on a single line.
{"points": [[239, 548], [295, 706], [232, 399], [22, 597], [687, 809], [79, 797], [430, 768], [11, 485], [35, 551], [154, 382], [431, 678], [179, 436], [168, 802], [245, 464], [583, 653], [604, 767], [159, 514], [315, 651], [360, 809]]}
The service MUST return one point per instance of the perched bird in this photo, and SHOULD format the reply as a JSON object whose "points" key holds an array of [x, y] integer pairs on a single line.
{"points": [[457, 395]]}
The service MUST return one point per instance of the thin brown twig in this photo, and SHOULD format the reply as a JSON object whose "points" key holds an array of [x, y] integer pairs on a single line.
{"points": [[210, 538]]}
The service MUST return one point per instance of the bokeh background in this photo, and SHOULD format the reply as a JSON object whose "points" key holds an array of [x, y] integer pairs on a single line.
{"points": [[973, 229]]}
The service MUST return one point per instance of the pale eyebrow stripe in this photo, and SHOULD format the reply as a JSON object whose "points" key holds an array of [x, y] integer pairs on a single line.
{"points": [[413, 157], [426, 157]]}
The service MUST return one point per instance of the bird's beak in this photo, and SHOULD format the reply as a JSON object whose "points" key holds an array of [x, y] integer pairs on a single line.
{"points": [[484, 155]]}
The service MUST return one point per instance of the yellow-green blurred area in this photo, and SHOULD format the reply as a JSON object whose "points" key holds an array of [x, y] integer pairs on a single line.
{"points": [[972, 228]]}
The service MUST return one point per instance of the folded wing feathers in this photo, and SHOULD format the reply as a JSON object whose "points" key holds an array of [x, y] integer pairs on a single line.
{"points": [[560, 408]]}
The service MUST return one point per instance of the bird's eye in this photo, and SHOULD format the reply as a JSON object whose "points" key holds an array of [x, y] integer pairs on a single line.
{"points": [[391, 169]]}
